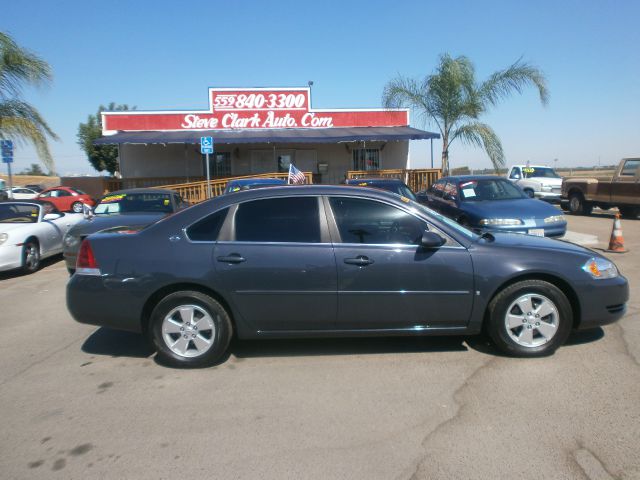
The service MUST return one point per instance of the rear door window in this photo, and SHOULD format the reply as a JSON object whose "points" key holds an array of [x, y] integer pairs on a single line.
{"points": [[294, 219]]}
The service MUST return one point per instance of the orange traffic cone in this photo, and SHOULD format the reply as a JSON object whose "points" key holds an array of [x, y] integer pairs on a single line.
{"points": [[616, 244]]}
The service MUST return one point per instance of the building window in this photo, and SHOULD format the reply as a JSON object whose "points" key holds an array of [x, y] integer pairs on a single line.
{"points": [[366, 159], [219, 164]]}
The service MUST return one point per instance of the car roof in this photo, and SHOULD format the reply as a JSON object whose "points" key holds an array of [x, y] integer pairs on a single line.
{"points": [[140, 190], [378, 180], [471, 178], [251, 181]]}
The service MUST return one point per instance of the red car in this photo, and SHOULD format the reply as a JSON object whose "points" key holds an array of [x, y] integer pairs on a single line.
{"points": [[66, 199]]}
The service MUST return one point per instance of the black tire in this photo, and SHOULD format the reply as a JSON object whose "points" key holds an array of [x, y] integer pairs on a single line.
{"points": [[529, 192], [578, 205], [629, 212], [219, 335], [76, 207], [513, 339], [30, 256]]}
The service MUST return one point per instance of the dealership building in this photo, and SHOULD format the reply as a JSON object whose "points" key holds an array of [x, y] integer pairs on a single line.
{"points": [[259, 130]]}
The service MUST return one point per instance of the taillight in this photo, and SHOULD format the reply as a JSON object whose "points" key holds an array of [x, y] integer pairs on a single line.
{"points": [[86, 263]]}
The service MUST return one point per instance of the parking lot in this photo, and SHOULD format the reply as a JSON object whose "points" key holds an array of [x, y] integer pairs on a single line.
{"points": [[85, 402]]}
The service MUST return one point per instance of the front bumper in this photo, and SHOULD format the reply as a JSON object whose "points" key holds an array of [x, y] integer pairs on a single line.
{"points": [[603, 302], [10, 257], [552, 230], [548, 196]]}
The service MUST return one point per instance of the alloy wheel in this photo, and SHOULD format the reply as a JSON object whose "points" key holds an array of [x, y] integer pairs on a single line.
{"points": [[532, 320]]}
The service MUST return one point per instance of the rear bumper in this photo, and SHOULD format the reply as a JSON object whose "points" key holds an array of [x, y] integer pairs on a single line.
{"points": [[106, 302], [603, 303]]}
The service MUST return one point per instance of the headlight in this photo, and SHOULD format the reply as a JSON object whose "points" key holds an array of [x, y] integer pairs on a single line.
{"points": [[3, 238], [600, 268], [554, 219], [500, 221], [71, 241]]}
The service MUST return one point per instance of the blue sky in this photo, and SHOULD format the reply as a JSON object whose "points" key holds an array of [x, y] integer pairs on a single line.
{"points": [[165, 54]]}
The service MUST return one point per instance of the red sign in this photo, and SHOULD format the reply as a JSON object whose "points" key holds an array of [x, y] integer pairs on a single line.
{"points": [[254, 108]]}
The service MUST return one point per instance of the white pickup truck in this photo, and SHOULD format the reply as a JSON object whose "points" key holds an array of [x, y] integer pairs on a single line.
{"points": [[537, 181]]}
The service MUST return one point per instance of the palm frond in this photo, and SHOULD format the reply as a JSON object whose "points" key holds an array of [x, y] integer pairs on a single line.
{"points": [[18, 67], [481, 135], [516, 77], [22, 123]]}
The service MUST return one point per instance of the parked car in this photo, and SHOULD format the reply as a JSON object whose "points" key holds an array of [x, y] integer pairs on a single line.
{"points": [[35, 187], [537, 181], [622, 191], [21, 193], [31, 230], [393, 185], [491, 203], [66, 199], [318, 261], [125, 208], [250, 183], [3, 195]]}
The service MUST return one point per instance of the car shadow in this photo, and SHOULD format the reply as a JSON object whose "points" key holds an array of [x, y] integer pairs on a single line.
{"points": [[344, 346], [117, 343], [16, 273]]}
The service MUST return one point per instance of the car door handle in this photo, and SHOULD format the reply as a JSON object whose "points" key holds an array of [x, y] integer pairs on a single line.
{"points": [[233, 258], [360, 260]]}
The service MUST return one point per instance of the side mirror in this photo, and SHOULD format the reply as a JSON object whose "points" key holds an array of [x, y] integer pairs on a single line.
{"points": [[431, 240], [52, 216]]}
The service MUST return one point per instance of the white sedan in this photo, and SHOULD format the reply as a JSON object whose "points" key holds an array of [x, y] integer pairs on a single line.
{"points": [[21, 193], [31, 230]]}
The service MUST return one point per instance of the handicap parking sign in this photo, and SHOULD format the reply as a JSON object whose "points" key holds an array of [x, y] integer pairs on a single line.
{"points": [[7, 151], [206, 144]]}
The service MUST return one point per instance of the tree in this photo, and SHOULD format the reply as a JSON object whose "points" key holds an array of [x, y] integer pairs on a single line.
{"points": [[102, 157], [34, 170], [453, 99], [20, 121]]}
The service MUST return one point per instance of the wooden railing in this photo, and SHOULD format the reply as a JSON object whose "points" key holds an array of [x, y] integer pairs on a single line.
{"points": [[417, 179], [195, 192], [113, 184]]}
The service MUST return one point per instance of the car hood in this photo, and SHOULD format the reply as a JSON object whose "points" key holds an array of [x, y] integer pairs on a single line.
{"points": [[515, 240], [101, 222], [16, 228], [523, 208]]}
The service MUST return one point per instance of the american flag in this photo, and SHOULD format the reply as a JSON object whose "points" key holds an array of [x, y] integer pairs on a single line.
{"points": [[296, 177]]}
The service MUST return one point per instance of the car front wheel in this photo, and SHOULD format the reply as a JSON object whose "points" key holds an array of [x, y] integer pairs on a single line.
{"points": [[30, 256], [530, 318], [190, 329], [578, 205]]}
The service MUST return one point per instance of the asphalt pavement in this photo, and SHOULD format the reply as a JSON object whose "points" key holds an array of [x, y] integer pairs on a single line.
{"points": [[85, 402]]}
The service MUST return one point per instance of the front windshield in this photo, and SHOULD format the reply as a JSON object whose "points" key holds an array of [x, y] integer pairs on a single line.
{"points": [[19, 213], [447, 221], [134, 203], [544, 172], [489, 189]]}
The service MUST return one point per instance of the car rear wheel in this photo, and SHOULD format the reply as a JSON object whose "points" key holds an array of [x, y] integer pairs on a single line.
{"points": [[190, 329], [531, 318], [30, 256], [76, 207], [578, 205]]}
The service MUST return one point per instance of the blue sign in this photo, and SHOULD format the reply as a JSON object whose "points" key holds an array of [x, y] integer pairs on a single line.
{"points": [[7, 151], [206, 144]]}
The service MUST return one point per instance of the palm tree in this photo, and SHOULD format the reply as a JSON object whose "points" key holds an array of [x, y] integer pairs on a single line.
{"points": [[454, 101], [19, 120]]}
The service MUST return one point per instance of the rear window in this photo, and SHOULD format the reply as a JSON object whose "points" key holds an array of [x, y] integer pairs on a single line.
{"points": [[134, 202]]}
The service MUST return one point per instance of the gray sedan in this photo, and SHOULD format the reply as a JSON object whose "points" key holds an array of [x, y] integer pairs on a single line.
{"points": [[335, 261]]}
